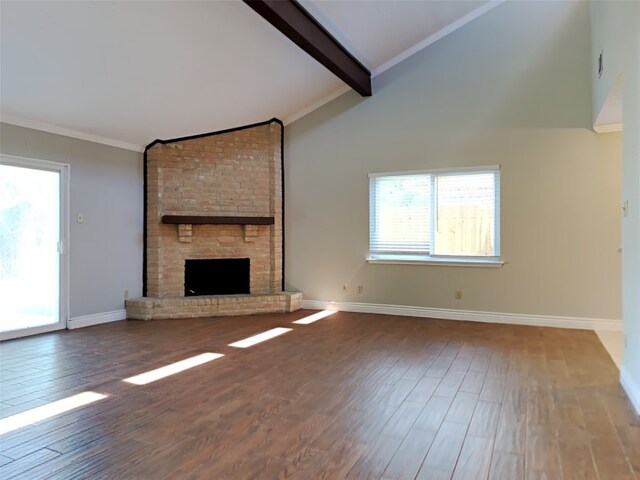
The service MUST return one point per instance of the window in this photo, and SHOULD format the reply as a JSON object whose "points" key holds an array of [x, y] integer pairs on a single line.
{"points": [[439, 216]]}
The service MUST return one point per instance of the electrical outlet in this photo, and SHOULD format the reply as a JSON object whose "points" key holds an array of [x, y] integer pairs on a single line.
{"points": [[360, 288], [126, 294], [458, 295], [345, 287]]}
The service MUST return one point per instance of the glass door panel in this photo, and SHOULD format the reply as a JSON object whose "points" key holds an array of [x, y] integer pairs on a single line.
{"points": [[30, 249]]}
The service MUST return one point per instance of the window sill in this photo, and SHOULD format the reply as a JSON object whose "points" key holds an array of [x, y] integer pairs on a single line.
{"points": [[437, 261]]}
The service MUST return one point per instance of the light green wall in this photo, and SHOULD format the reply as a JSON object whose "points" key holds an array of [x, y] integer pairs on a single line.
{"points": [[107, 186], [616, 32], [512, 87]]}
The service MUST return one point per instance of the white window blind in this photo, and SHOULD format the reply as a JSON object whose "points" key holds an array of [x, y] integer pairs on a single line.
{"points": [[400, 214], [454, 213]]}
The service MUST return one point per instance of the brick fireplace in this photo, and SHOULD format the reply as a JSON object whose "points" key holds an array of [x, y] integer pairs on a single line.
{"points": [[214, 199]]}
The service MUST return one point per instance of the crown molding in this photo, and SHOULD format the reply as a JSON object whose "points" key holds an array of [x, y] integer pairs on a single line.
{"points": [[608, 128], [314, 106], [434, 37], [66, 132]]}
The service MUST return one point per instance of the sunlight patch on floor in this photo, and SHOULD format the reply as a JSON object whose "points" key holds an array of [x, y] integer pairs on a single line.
{"points": [[261, 337], [315, 317], [48, 410], [181, 366]]}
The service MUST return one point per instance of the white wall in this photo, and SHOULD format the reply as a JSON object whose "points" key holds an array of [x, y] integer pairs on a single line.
{"points": [[107, 186], [512, 87], [616, 33]]}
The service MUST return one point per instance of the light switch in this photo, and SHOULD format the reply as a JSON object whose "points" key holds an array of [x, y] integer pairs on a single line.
{"points": [[80, 218]]}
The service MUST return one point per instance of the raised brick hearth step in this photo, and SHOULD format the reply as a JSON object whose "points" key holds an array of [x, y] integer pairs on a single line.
{"points": [[149, 308]]}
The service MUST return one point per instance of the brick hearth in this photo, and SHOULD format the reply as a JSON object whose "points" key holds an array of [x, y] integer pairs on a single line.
{"points": [[212, 306]]}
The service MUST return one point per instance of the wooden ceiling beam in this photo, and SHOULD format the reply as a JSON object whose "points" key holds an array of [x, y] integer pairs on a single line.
{"points": [[300, 27]]}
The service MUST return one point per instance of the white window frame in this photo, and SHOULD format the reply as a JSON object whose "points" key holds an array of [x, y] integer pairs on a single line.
{"points": [[435, 259], [63, 246]]}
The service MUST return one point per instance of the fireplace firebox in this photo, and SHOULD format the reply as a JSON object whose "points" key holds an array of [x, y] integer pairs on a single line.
{"points": [[224, 276]]}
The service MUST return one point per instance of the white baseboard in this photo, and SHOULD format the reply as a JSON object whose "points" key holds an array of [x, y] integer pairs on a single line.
{"points": [[96, 319], [632, 389], [583, 323]]}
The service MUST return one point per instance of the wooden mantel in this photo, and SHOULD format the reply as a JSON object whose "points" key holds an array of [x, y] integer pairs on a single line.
{"points": [[215, 220], [185, 224]]}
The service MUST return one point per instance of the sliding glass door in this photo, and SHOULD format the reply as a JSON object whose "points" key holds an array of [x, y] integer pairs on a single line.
{"points": [[33, 231]]}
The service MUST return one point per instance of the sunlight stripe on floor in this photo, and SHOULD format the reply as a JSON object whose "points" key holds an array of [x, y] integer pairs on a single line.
{"points": [[172, 369], [29, 417], [261, 337], [315, 317]]}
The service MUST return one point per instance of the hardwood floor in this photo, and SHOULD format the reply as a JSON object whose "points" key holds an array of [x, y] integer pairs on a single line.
{"points": [[351, 396]]}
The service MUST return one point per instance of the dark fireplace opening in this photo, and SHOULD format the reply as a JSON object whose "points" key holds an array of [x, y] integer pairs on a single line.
{"points": [[224, 276]]}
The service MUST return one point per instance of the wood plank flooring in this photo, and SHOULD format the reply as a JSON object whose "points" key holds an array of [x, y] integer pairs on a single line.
{"points": [[351, 396]]}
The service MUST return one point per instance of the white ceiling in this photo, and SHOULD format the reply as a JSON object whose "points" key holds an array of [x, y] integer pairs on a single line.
{"points": [[126, 73]]}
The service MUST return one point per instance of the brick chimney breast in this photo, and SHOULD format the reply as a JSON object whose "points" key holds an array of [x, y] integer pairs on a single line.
{"points": [[232, 174]]}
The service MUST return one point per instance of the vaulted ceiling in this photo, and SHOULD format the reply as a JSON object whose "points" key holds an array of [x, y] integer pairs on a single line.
{"points": [[126, 73]]}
